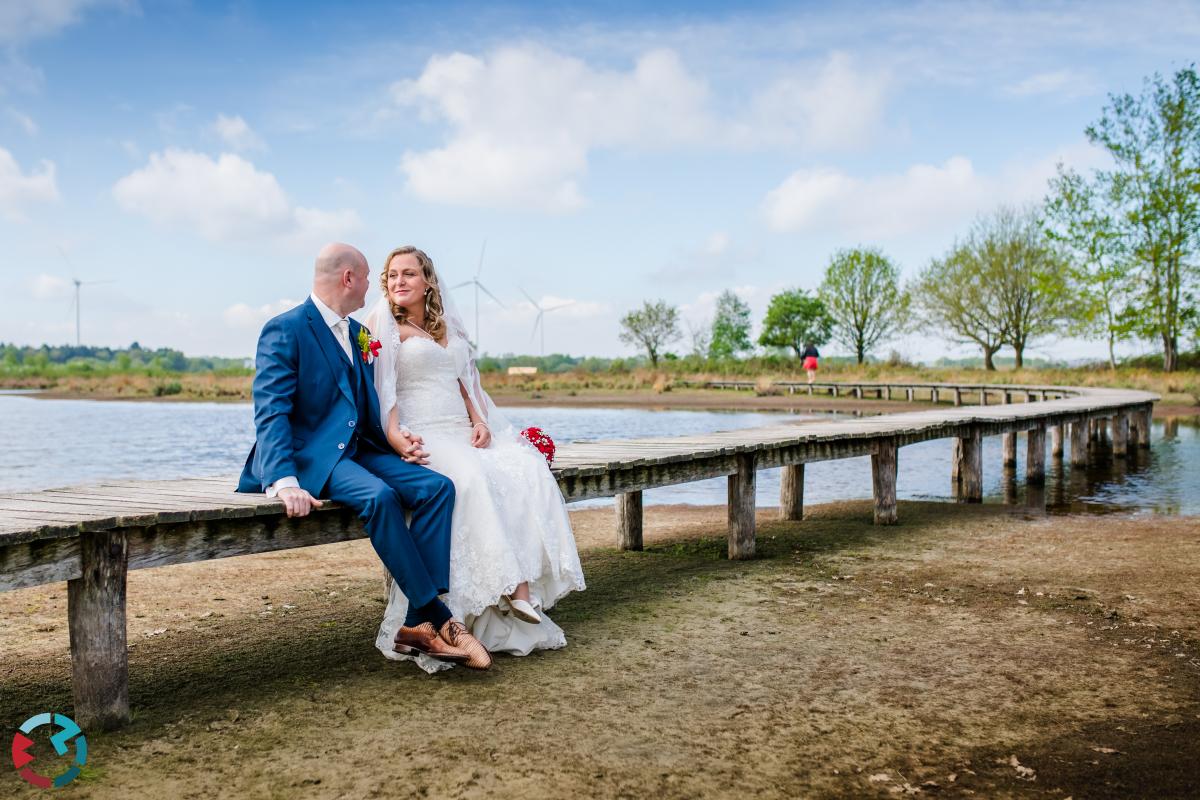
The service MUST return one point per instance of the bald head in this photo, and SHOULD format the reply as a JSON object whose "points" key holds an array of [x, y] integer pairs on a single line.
{"points": [[341, 277]]}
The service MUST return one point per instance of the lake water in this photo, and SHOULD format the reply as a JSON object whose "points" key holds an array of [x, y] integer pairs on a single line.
{"points": [[50, 443]]}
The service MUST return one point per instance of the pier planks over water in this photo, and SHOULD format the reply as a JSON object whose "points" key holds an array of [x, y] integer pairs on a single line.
{"points": [[91, 536]]}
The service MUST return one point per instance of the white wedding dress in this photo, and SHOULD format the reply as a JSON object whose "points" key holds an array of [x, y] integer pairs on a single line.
{"points": [[510, 524]]}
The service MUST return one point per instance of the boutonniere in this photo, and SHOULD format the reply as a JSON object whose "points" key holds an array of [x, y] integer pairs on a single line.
{"points": [[368, 346]]}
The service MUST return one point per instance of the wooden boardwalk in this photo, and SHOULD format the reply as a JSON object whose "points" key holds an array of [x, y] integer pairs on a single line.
{"points": [[91, 536]]}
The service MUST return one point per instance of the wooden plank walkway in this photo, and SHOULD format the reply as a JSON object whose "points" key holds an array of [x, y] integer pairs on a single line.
{"points": [[91, 536]]}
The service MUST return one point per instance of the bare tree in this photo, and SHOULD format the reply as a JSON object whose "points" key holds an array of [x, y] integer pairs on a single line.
{"points": [[653, 326]]}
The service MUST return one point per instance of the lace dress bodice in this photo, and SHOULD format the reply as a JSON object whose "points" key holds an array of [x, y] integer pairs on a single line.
{"points": [[427, 388]]}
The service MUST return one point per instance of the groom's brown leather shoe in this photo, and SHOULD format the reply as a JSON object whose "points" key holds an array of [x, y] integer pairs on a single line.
{"points": [[424, 639], [455, 634]]}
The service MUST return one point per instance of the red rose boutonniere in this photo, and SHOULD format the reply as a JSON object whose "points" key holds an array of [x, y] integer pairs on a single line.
{"points": [[542, 441], [368, 346]]}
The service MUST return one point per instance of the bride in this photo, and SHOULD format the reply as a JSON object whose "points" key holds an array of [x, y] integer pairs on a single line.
{"points": [[512, 552]]}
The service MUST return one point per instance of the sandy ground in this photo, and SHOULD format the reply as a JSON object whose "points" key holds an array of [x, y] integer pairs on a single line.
{"points": [[968, 652]]}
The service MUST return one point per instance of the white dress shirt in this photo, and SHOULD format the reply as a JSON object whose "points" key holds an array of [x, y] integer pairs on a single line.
{"points": [[341, 331]]}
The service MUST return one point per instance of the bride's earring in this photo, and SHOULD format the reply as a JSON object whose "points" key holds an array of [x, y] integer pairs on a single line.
{"points": [[427, 293]]}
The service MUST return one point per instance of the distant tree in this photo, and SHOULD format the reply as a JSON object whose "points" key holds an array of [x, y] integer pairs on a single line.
{"points": [[1030, 276], [862, 293], [653, 326], [730, 327], [700, 336], [794, 318], [958, 294], [1153, 191], [1099, 270]]}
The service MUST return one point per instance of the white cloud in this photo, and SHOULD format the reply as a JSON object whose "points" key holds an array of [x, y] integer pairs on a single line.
{"points": [[524, 119], [831, 106], [225, 199], [1065, 83], [18, 190], [237, 134], [247, 317], [49, 287], [24, 120], [923, 198], [22, 20]]}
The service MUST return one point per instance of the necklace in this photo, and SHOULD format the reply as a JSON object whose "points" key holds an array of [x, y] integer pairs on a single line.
{"points": [[418, 327]]}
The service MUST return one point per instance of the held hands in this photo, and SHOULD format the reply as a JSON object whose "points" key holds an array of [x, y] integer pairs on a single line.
{"points": [[480, 435], [297, 501], [411, 448]]}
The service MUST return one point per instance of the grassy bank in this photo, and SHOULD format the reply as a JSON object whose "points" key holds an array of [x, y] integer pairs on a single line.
{"points": [[967, 652], [1181, 388]]}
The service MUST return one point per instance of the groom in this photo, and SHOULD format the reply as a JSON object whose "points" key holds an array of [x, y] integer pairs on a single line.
{"points": [[317, 422]]}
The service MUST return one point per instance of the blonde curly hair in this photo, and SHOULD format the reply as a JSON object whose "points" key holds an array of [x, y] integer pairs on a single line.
{"points": [[435, 313]]}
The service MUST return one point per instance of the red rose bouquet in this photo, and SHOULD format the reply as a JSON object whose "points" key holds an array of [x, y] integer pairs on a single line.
{"points": [[542, 441]]}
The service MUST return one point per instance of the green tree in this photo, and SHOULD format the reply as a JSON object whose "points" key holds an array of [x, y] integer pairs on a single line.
{"points": [[1030, 276], [653, 326], [730, 327], [1099, 269], [1153, 190], [862, 293], [957, 293], [794, 318]]}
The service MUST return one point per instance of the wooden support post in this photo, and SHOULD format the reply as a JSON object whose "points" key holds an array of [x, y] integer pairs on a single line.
{"points": [[908, 394], [741, 508], [96, 621], [1035, 456], [1079, 443], [934, 396], [970, 475], [810, 390], [1008, 397], [1120, 434], [791, 492], [1144, 429], [1056, 442], [983, 397], [956, 467], [858, 392], [629, 520], [1008, 447], [957, 396], [833, 390], [888, 390], [883, 481]]}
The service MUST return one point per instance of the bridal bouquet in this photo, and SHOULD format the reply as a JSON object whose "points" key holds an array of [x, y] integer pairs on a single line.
{"points": [[542, 441]]}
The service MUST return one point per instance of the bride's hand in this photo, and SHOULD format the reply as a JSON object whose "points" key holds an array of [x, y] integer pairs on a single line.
{"points": [[480, 435]]}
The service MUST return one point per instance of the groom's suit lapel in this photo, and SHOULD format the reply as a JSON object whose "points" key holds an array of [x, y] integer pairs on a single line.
{"points": [[366, 371], [331, 349]]}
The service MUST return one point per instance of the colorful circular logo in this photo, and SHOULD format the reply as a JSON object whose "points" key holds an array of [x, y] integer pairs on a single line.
{"points": [[68, 732]]}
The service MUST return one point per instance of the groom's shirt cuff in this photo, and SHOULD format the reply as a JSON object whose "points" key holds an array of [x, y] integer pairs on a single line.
{"points": [[289, 482]]}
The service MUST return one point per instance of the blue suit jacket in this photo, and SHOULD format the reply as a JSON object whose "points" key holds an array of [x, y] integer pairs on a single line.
{"points": [[304, 407]]}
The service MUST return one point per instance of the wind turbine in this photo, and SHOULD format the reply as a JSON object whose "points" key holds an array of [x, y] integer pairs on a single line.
{"points": [[540, 320], [479, 287], [78, 283]]}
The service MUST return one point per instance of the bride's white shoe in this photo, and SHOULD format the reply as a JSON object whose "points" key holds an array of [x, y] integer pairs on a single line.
{"points": [[521, 609]]}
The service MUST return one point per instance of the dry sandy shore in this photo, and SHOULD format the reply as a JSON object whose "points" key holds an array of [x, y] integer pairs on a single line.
{"points": [[969, 652]]}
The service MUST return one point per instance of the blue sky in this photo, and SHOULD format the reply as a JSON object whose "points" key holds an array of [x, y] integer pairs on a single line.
{"points": [[198, 154]]}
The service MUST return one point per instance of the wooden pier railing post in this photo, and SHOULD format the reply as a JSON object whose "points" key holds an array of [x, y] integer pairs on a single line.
{"points": [[1143, 427], [96, 622], [1035, 456], [1056, 442], [1120, 434], [741, 508], [957, 396], [883, 481], [1079, 443], [1008, 447], [791, 492], [970, 468], [629, 520]]}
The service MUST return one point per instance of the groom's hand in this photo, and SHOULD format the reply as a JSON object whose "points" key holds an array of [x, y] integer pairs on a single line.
{"points": [[297, 501]]}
